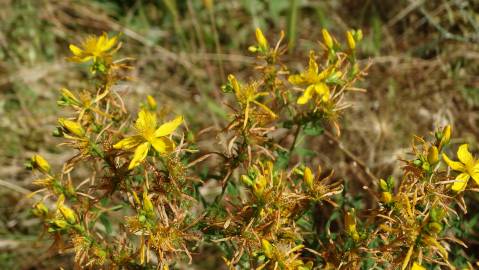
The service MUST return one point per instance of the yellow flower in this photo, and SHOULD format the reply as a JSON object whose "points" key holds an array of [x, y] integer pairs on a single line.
{"points": [[94, 47], [149, 135], [417, 266], [314, 80], [467, 165], [245, 95]]}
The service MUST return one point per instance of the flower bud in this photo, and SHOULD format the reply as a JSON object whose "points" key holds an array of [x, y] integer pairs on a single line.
{"points": [[72, 127], [350, 223], [60, 223], [40, 209], [147, 204], [259, 185], [350, 39], [262, 42], [308, 177], [68, 98], [267, 248], [435, 227], [40, 163], [246, 180], [445, 136], [151, 102], [67, 213], [433, 155], [359, 35], [328, 40], [383, 185]]}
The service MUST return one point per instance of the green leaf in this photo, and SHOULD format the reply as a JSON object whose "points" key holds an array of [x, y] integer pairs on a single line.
{"points": [[106, 222], [313, 128]]}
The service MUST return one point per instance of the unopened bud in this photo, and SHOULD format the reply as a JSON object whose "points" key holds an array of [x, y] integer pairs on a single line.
{"points": [[262, 42], [328, 40], [308, 177], [246, 180], [60, 223], [435, 227], [350, 39], [267, 248], [383, 185], [259, 185], [72, 127], [147, 204], [40, 209], [67, 213], [445, 136], [151, 102], [40, 163], [433, 155]]}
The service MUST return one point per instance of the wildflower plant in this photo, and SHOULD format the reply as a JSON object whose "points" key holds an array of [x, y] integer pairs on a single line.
{"points": [[140, 204]]}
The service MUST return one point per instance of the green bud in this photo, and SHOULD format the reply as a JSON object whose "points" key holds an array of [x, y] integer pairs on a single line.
{"points": [[383, 185]]}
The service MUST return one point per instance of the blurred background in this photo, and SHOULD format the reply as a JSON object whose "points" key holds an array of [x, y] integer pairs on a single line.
{"points": [[424, 74]]}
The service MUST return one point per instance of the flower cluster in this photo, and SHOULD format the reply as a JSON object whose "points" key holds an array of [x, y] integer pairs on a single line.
{"points": [[145, 203]]}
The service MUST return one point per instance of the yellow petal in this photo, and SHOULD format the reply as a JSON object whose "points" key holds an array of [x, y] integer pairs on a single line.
{"points": [[296, 79], [455, 165], [313, 66], [163, 145], [140, 155], [460, 182], [417, 266], [110, 43], [322, 90], [79, 59], [146, 122], [465, 156], [100, 44], [307, 95], [168, 127], [128, 143], [75, 50], [475, 173]]}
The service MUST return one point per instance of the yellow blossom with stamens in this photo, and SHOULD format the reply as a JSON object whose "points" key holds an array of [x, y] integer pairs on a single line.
{"points": [[149, 135], [313, 80], [94, 47], [467, 165], [247, 95]]}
